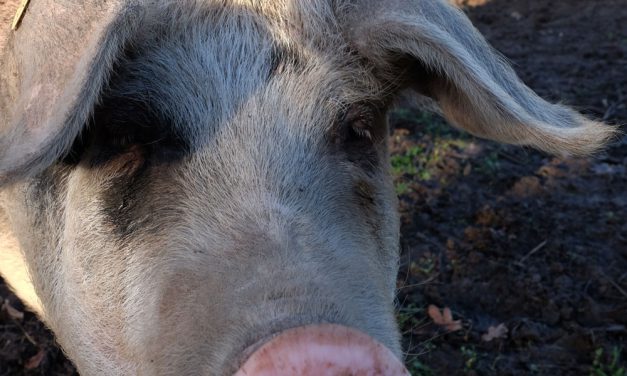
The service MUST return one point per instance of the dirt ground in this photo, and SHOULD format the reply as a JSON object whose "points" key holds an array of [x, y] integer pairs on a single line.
{"points": [[529, 248], [529, 252]]}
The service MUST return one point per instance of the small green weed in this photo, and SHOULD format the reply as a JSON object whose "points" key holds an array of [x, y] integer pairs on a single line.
{"points": [[490, 163], [425, 265], [405, 163], [608, 365], [402, 188], [470, 357]]}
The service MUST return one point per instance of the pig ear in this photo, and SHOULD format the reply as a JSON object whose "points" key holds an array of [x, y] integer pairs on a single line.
{"points": [[434, 47], [52, 70]]}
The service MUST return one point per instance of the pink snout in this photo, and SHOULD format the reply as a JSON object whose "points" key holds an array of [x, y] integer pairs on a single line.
{"points": [[322, 350]]}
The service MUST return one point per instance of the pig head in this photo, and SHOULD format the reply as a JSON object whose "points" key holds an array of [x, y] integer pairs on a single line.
{"points": [[190, 186]]}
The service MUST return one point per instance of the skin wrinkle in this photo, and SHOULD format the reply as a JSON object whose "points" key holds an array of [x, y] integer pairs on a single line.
{"points": [[215, 196]]}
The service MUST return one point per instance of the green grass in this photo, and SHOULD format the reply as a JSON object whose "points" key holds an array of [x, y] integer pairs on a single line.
{"points": [[407, 317], [406, 163], [608, 365], [423, 163], [490, 164], [431, 153], [402, 188], [470, 357]]}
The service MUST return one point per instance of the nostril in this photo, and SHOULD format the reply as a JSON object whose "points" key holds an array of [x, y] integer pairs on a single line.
{"points": [[322, 350]]}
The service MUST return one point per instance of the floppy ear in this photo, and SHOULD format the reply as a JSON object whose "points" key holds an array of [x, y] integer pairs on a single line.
{"points": [[434, 46], [52, 69]]}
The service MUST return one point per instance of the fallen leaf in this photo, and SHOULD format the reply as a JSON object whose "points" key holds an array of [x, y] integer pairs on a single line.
{"points": [[444, 318], [495, 332], [35, 360], [12, 312]]}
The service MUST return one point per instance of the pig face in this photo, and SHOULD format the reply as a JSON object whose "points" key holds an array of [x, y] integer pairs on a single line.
{"points": [[229, 185], [195, 177]]}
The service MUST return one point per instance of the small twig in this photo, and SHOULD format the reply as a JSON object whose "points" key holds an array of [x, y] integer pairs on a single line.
{"points": [[423, 283], [28, 337], [617, 286], [421, 326], [19, 14], [533, 252], [430, 241], [433, 338]]}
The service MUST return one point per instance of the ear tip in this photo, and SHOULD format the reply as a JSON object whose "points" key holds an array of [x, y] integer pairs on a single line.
{"points": [[587, 138], [601, 134], [598, 134]]}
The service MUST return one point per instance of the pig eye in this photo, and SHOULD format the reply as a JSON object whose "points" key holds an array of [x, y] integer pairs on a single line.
{"points": [[360, 132], [359, 124]]}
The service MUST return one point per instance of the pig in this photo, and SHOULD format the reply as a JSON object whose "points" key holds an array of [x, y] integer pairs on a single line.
{"points": [[201, 187]]}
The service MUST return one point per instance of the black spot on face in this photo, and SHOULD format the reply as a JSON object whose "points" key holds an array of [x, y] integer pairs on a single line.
{"points": [[125, 144], [123, 201]]}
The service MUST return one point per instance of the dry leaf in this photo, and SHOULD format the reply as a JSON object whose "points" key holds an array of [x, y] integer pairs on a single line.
{"points": [[495, 332], [35, 360], [444, 318], [12, 312]]}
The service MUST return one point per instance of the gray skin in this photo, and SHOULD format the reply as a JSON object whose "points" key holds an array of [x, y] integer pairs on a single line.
{"points": [[229, 179]]}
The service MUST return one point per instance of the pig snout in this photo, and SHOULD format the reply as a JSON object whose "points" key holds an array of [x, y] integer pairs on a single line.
{"points": [[322, 350]]}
